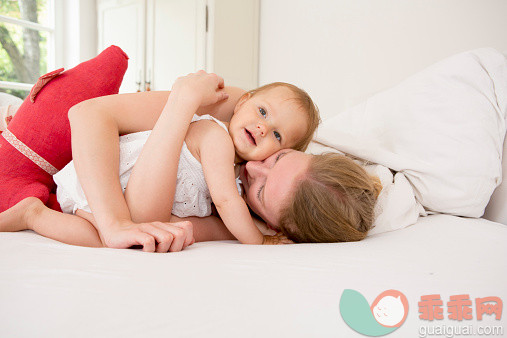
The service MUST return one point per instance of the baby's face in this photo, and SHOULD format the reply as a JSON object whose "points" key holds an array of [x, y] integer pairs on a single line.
{"points": [[267, 122]]}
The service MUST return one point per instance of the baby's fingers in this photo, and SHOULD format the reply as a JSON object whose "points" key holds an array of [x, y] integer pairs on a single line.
{"points": [[282, 239], [221, 83], [285, 240], [276, 240], [222, 95]]}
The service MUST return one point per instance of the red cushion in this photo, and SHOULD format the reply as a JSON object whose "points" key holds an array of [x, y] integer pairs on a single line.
{"points": [[43, 125]]}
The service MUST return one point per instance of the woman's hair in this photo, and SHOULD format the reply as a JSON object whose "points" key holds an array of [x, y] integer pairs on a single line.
{"points": [[305, 102], [333, 202]]}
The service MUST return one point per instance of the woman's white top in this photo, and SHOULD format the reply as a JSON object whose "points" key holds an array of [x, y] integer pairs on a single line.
{"points": [[191, 198]]}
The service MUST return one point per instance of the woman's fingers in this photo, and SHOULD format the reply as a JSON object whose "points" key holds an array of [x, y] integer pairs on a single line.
{"points": [[176, 234], [147, 241], [156, 239], [165, 237], [179, 239], [188, 228]]}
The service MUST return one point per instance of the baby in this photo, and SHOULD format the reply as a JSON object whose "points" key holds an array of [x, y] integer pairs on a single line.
{"points": [[265, 120]]}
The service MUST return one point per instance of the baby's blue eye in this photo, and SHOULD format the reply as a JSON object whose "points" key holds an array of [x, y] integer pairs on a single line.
{"points": [[262, 111], [278, 136]]}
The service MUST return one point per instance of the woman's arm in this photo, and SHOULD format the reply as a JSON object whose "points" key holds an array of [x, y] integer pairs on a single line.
{"points": [[151, 186], [95, 126], [164, 147], [205, 229]]}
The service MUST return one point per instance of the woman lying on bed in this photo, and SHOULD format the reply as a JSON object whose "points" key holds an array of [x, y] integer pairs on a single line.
{"points": [[333, 198]]}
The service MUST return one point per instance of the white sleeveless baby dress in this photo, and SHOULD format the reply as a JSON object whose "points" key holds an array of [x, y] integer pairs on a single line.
{"points": [[191, 198]]}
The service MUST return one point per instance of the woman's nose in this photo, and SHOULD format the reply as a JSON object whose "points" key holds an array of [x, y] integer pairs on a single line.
{"points": [[256, 168]]}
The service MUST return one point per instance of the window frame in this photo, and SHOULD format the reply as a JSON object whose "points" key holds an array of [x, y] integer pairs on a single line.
{"points": [[52, 50]]}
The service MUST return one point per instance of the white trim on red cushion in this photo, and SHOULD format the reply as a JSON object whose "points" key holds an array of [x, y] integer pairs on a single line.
{"points": [[29, 153]]}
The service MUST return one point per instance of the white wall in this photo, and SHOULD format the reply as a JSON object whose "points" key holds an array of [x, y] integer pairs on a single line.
{"points": [[342, 51], [76, 31]]}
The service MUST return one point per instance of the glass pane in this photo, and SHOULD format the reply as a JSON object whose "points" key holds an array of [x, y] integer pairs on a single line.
{"points": [[23, 55], [29, 10], [22, 94]]}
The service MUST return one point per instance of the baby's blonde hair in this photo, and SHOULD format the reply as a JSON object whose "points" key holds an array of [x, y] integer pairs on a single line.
{"points": [[333, 202], [307, 105]]}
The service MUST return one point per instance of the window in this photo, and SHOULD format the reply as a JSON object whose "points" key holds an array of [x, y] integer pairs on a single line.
{"points": [[27, 29]]}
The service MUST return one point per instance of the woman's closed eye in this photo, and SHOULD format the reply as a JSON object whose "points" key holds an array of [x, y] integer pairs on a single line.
{"points": [[280, 155], [259, 193]]}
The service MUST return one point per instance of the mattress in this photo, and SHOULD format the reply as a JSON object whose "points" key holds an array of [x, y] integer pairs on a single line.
{"points": [[225, 289]]}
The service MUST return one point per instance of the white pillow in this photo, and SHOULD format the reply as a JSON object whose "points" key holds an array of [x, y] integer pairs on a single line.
{"points": [[496, 210], [442, 128], [9, 104]]}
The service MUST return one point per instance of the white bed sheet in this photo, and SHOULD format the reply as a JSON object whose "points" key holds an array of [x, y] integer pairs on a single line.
{"points": [[224, 289]]}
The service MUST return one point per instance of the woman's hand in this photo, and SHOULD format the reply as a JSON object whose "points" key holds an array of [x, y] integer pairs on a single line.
{"points": [[152, 236], [205, 88]]}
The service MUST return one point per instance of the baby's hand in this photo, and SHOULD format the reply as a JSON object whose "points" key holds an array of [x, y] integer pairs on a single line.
{"points": [[205, 88], [276, 239]]}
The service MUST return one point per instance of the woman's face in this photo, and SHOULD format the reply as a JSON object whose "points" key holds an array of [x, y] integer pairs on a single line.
{"points": [[269, 183]]}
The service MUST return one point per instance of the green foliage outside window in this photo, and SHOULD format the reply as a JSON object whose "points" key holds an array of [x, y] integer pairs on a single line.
{"points": [[23, 51]]}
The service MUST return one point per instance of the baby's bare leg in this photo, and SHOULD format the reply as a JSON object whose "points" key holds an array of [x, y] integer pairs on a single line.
{"points": [[32, 214], [14, 218]]}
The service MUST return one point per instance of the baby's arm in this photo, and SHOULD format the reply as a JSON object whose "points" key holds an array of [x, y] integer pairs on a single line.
{"points": [[212, 228], [217, 158]]}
